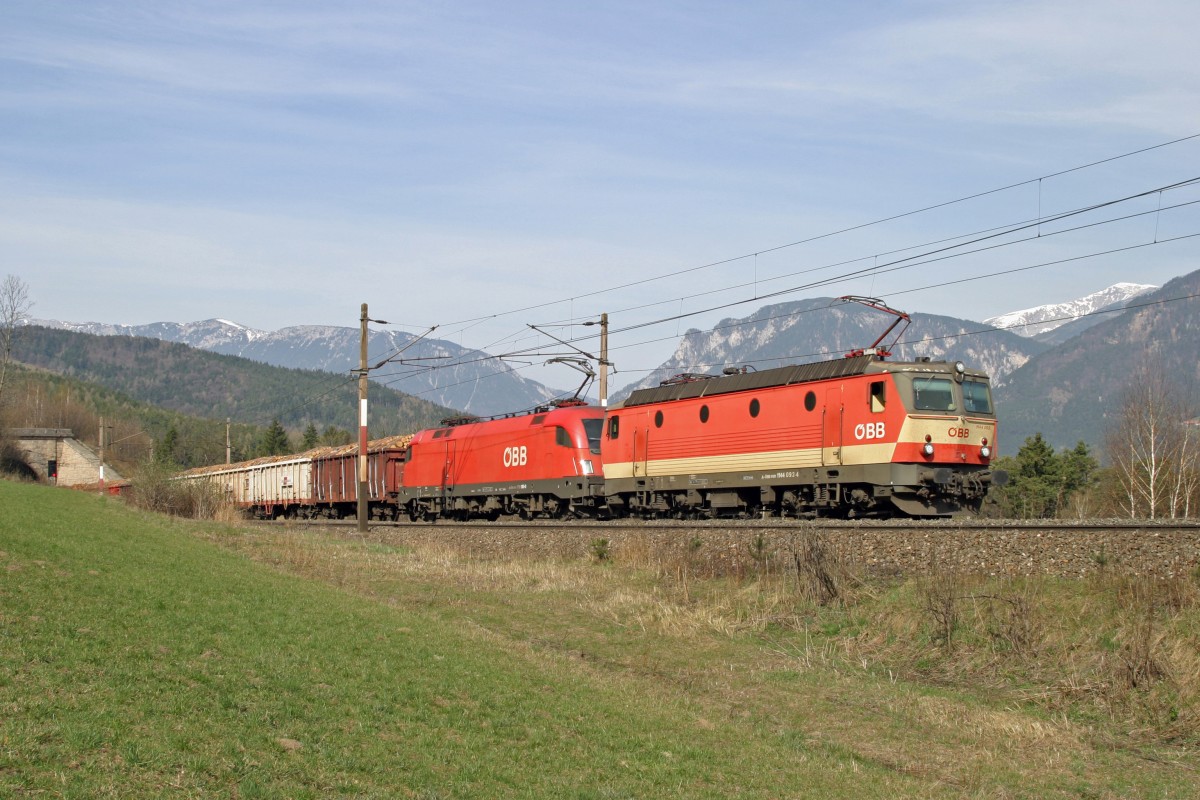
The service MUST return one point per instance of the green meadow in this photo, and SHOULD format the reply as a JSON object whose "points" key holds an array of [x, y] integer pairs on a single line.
{"points": [[144, 656]]}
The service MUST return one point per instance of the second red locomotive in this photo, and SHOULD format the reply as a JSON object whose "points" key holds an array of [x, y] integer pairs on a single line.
{"points": [[542, 464]]}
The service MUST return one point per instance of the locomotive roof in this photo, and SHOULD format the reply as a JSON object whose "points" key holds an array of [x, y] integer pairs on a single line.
{"points": [[779, 376], [541, 411]]}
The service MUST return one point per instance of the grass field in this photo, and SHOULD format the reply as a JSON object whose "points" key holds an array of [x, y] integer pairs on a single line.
{"points": [[146, 657]]}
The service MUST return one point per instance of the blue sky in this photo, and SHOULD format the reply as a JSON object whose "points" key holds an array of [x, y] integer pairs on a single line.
{"points": [[279, 163]]}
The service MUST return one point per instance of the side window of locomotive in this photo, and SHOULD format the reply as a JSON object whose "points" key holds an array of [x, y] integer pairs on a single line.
{"points": [[614, 427], [933, 394], [561, 437], [878, 396], [593, 428], [976, 398]]}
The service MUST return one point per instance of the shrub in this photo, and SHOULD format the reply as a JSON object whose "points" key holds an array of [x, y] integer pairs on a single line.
{"points": [[600, 550], [155, 489]]}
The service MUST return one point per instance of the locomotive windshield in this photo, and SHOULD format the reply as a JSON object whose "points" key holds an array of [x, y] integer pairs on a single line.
{"points": [[976, 399], [593, 428], [933, 394]]}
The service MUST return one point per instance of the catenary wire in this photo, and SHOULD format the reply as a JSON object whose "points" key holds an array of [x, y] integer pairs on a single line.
{"points": [[861, 226]]}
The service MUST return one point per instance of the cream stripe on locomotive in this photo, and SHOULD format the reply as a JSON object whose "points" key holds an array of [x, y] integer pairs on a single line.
{"points": [[948, 429], [754, 462]]}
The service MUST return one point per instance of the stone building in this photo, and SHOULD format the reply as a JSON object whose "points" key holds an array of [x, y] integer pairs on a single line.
{"points": [[58, 457]]}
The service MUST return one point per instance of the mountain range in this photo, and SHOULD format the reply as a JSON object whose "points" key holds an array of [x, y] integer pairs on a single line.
{"points": [[204, 384], [1043, 361], [473, 381]]}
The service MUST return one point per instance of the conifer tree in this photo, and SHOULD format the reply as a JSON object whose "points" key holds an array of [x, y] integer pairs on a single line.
{"points": [[1042, 481], [164, 449], [275, 440], [311, 437]]}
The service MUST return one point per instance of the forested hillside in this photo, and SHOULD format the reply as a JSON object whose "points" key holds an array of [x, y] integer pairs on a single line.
{"points": [[36, 398], [197, 383]]}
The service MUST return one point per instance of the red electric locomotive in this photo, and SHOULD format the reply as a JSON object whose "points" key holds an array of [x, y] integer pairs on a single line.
{"points": [[859, 436], [543, 464]]}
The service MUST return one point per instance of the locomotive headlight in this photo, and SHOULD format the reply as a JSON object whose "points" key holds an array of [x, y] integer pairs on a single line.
{"points": [[585, 466], [985, 452], [960, 367], [927, 449]]}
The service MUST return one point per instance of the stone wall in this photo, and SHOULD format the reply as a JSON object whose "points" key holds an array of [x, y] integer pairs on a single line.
{"points": [[77, 463]]}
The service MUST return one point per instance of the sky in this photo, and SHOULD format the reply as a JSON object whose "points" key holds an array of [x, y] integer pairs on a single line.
{"points": [[485, 167]]}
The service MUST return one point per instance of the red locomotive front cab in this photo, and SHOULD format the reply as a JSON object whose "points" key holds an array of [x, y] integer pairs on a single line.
{"points": [[949, 436], [542, 464]]}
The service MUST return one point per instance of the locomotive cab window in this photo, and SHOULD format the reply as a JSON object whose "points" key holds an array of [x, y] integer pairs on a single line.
{"points": [[614, 427], [878, 396], [976, 397], [933, 394], [561, 437], [592, 428]]}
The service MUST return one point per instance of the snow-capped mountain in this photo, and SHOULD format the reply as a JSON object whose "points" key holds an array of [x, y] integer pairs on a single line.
{"points": [[1031, 322], [468, 380]]}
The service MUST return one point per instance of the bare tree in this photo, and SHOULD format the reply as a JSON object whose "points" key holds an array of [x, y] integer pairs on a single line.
{"points": [[1154, 450], [1187, 478], [14, 304]]}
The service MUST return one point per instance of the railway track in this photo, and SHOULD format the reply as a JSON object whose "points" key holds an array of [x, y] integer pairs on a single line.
{"points": [[767, 525], [1160, 549]]}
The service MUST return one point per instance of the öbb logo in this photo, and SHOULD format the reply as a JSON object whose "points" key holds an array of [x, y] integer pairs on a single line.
{"points": [[869, 430], [959, 433], [515, 456]]}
